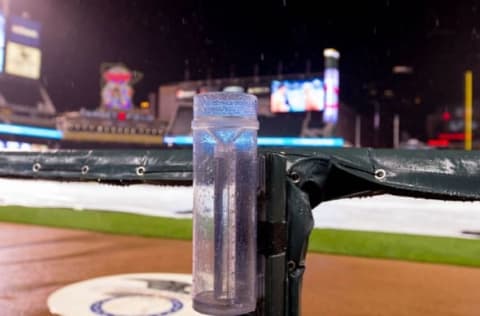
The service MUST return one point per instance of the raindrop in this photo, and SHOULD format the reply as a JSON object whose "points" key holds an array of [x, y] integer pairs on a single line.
{"points": [[284, 2], [437, 22], [262, 57], [387, 3], [184, 21], [374, 30]]}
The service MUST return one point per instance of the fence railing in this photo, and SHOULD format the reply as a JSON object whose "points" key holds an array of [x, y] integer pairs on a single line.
{"points": [[291, 184]]}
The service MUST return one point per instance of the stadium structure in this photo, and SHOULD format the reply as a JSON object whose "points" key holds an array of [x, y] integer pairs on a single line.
{"points": [[28, 118], [117, 121], [294, 110], [311, 112]]}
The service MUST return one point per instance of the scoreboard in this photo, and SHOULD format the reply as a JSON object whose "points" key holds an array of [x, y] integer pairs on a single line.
{"points": [[23, 56]]}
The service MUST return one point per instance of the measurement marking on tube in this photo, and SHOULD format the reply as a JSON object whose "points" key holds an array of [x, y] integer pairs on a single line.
{"points": [[225, 280]]}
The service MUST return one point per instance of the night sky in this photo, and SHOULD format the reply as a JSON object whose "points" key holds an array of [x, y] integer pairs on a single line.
{"points": [[440, 39]]}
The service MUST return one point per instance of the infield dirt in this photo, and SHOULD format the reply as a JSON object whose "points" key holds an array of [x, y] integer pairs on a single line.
{"points": [[35, 261]]}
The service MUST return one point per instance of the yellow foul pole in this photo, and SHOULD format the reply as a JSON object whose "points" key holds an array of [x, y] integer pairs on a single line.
{"points": [[468, 109]]}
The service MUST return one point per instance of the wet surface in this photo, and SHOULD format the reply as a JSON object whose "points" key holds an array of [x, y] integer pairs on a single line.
{"points": [[35, 261]]}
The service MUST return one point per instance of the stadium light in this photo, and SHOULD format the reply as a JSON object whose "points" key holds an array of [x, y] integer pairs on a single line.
{"points": [[331, 52]]}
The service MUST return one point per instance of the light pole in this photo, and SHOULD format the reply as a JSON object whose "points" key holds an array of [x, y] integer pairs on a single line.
{"points": [[468, 109]]}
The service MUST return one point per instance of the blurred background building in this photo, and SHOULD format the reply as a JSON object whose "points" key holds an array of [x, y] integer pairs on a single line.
{"points": [[27, 113], [401, 102]]}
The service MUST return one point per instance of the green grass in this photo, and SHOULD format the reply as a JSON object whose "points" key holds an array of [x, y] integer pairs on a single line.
{"points": [[445, 250], [457, 251], [107, 222]]}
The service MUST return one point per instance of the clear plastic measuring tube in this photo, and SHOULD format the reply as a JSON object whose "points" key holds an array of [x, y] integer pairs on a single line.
{"points": [[225, 184]]}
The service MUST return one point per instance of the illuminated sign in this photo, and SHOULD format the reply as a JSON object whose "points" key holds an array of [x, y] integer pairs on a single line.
{"points": [[23, 61], [330, 115], [438, 143], [297, 96], [30, 131], [107, 115], [332, 84], [117, 91], [186, 94], [271, 141], [23, 57], [121, 116], [24, 31], [452, 136], [258, 90], [21, 146]]}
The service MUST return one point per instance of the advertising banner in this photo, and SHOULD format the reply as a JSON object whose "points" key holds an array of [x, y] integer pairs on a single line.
{"points": [[23, 31]]}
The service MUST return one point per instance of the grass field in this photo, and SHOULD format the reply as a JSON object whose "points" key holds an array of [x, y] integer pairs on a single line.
{"points": [[445, 250]]}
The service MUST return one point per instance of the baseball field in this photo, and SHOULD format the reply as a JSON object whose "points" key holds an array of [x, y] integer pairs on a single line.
{"points": [[348, 272]]}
